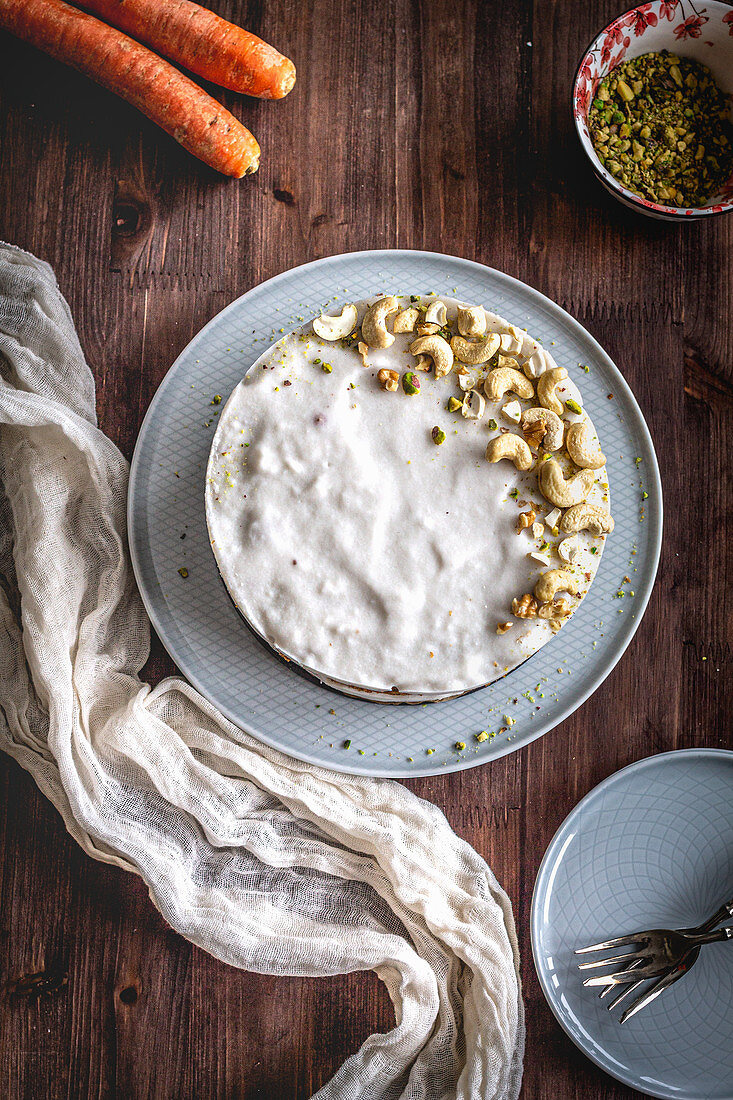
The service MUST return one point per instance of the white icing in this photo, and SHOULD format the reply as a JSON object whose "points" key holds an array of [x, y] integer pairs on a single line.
{"points": [[406, 553]]}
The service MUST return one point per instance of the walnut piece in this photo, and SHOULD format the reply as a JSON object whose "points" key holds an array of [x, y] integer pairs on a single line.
{"points": [[501, 628], [558, 609], [525, 607], [526, 519], [535, 435], [388, 379]]}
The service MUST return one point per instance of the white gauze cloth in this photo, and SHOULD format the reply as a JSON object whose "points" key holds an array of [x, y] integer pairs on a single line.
{"points": [[270, 864]]}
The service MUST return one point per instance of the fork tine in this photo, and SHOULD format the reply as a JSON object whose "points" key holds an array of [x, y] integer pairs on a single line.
{"points": [[608, 988], [620, 941], [623, 977], [603, 979], [651, 994], [626, 991], [630, 956]]}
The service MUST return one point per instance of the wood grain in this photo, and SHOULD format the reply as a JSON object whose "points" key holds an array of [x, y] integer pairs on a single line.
{"points": [[441, 125]]}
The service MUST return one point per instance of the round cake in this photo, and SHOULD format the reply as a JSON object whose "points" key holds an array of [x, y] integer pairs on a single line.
{"points": [[407, 500]]}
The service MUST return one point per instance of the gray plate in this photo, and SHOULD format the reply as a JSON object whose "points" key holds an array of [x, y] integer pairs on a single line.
{"points": [[650, 847], [207, 639]]}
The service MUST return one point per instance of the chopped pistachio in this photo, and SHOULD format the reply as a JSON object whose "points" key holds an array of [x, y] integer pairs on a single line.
{"points": [[660, 125], [492, 425], [573, 405], [454, 404], [410, 383], [437, 435]]}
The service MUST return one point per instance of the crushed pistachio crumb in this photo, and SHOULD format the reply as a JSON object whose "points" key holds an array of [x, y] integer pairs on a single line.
{"points": [[659, 124], [183, 572]]}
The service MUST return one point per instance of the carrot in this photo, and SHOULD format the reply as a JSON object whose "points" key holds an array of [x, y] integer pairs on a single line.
{"points": [[202, 42], [138, 75]]}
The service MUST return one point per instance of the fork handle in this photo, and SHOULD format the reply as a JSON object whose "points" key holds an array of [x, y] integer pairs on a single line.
{"points": [[711, 937], [726, 910]]}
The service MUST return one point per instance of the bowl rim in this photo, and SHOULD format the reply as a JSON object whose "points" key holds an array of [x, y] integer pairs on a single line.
{"points": [[646, 206]]}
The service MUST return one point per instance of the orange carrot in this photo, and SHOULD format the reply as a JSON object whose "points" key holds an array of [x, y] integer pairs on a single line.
{"points": [[203, 42], [138, 75]]}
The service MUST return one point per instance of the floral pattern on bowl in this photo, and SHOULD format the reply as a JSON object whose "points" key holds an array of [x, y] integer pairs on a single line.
{"points": [[701, 31]]}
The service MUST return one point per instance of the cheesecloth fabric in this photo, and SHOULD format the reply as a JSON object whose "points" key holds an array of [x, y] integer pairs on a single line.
{"points": [[270, 864]]}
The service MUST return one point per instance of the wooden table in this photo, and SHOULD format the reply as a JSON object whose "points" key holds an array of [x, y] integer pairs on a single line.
{"points": [[442, 125]]}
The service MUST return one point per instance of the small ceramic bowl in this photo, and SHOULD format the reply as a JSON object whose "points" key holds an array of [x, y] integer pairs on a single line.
{"points": [[702, 31]]}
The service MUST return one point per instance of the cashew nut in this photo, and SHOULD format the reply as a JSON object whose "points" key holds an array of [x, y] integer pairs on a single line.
{"points": [[436, 313], [336, 328], [439, 351], [509, 446], [545, 426], [425, 329], [538, 362], [473, 405], [512, 411], [512, 341], [373, 327], [568, 550], [476, 351], [471, 320], [555, 580], [469, 379], [561, 491], [546, 384], [583, 447], [406, 320], [587, 517], [502, 379]]}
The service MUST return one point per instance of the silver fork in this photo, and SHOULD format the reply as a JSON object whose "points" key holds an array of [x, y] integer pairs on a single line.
{"points": [[660, 953], [661, 984]]}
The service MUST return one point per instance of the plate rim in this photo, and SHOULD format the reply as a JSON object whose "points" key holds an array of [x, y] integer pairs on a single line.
{"points": [[508, 746], [539, 890]]}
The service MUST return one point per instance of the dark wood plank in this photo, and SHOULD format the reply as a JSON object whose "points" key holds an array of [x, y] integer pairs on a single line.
{"points": [[441, 125]]}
